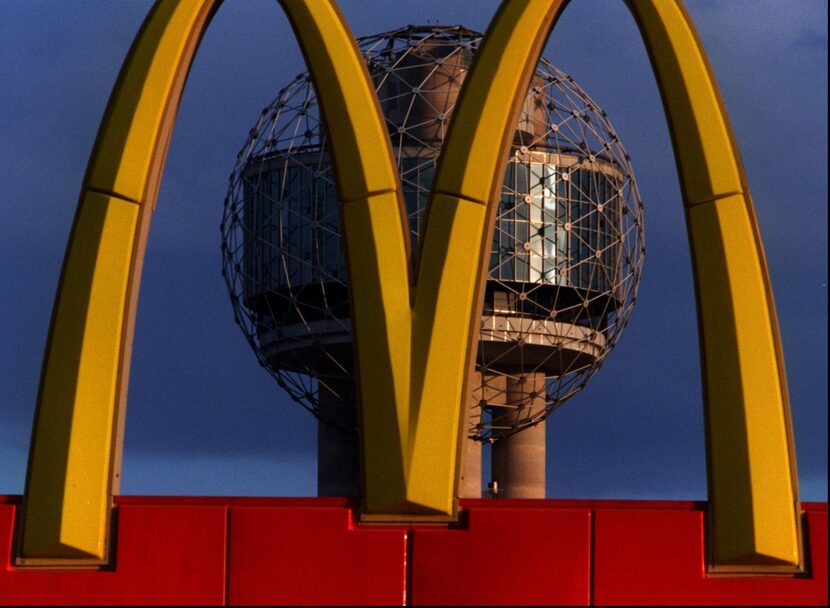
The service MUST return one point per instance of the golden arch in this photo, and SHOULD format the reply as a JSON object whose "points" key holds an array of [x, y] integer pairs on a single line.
{"points": [[413, 330]]}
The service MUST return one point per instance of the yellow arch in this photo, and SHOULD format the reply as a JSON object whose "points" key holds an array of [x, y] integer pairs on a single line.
{"points": [[754, 515], [414, 344]]}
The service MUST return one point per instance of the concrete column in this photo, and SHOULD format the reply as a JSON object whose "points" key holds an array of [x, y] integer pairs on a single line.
{"points": [[518, 461], [492, 392], [338, 450], [471, 449]]}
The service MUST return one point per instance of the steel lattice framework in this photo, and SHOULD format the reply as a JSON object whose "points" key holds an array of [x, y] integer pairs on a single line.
{"points": [[568, 244]]}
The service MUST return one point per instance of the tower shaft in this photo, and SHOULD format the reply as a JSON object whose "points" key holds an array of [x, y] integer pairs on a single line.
{"points": [[338, 446], [518, 460]]}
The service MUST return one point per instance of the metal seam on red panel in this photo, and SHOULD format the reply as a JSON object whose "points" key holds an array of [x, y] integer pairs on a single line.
{"points": [[8, 542], [226, 570], [591, 555], [808, 573], [407, 568]]}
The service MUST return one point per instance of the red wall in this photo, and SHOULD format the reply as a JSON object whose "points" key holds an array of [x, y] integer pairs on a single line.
{"points": [[310, 551]]}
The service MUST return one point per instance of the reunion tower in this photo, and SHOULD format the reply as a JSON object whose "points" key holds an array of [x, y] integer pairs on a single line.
{"points": [[566, 259]]}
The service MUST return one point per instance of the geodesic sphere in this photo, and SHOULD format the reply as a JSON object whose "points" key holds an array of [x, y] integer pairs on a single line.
{"points": [[567, 251]]}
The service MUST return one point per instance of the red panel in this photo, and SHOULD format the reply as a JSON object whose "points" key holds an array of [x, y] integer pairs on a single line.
{"points": [[312, 556], [505, 556], [166, 555], [656, 557], [305, 551]]}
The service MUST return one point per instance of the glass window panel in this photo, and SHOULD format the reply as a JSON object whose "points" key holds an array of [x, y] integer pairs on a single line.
{"points": [[537, 192], [507, 270], [521, 260], [259, 230], [521, 172], [585, 185], [506, 223], [562, 209], [521, 208], [294, 207], [549, 195], [562, 185], [521, 234], [249, 226], [573, 251], [269, 216], [536, 267], [510, 175]]}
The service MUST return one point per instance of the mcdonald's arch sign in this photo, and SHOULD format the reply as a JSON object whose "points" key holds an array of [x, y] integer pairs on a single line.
{"points": [[412, 323]]}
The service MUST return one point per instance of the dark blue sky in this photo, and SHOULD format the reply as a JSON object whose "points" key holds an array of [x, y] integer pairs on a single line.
{"points": [[204, 418]]}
